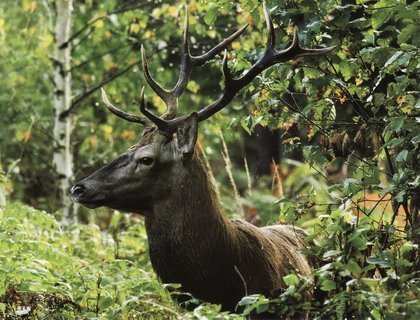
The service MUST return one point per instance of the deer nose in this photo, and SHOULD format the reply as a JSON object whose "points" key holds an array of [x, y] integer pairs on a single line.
{"points": [[77, 190]]}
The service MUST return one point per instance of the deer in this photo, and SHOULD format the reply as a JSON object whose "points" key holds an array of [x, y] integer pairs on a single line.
{"points": [[163, 178]]}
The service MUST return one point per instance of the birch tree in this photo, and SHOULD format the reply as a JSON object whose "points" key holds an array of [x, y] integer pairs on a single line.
{"points": [[63, 122]]}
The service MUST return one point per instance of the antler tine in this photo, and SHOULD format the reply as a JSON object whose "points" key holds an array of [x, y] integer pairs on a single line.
{"points": [[185, 69], [162, 93], [160, 123], [271, 40], [122, 114], [226, 71], [171, 97], [202, 59], [296, 51]]}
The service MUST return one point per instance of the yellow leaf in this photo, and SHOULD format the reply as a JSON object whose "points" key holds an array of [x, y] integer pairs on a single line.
{"points": [[86, 77], [310, 131], [193, 86], [326, 18], [2, 22], [192, 6], [26, 135], [107, 35], [93, 141], [249, 19], [107, 130], [264, 95], [23, 135], [30, 5], [347, 216], [172, 11], [158, 103], [358, 81], [236, 45], [401, 100], [129, 134], [134, 28], [290, 29], [212, 34], [148, 34], [99, 24], [46, 41], [142, 23]]}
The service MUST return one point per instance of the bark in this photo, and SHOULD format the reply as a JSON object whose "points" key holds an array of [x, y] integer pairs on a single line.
{"points": [[63, 126]]}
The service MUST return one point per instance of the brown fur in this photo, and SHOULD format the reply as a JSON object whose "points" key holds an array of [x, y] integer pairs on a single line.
{"points": [[216, 259]]}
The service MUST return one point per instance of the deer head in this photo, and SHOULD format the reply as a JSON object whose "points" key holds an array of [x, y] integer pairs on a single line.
{"points": [[160, 162]]}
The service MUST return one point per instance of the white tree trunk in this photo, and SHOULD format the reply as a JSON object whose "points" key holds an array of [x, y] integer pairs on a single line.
{"points": [[63, 127]]}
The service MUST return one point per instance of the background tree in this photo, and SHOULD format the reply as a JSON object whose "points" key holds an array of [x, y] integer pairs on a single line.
{"points": [[63, 125]]}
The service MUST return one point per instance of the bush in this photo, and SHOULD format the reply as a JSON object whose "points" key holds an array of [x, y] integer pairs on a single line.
{"points": [[48, 273]]}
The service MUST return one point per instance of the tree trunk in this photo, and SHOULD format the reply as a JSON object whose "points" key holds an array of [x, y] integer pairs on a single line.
{"points": [[63, 126]]}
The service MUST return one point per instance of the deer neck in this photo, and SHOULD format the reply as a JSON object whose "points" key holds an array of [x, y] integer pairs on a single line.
{"points": [[190, 210]]}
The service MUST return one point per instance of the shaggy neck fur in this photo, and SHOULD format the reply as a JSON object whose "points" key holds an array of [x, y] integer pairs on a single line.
{"points": [[190, 241], [215, 259]]}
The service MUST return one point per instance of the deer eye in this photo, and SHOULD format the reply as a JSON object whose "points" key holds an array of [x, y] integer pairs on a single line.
{"points": [[146, 161]]}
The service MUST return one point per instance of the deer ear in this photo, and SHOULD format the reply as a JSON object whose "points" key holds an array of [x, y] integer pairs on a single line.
{"points": [[187, 134]]}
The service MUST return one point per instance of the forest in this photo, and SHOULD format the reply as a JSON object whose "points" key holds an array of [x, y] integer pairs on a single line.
{"points": [[324, 139]]}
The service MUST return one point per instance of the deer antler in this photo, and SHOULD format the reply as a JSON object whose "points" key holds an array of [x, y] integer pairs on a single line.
{"points": [[187, 63], [122, 114], [168, 125], [170, 98]]}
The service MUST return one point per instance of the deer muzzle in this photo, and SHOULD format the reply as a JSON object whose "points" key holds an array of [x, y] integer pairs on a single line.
{"points": [[80, 193]]}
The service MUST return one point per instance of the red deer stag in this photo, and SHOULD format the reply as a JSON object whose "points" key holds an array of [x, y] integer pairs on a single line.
{"points": [[190, 241]]}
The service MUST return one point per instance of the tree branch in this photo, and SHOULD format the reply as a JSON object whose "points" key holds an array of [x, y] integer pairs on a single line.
{"points": [[98, 56], [122, 9], [77, 101]]}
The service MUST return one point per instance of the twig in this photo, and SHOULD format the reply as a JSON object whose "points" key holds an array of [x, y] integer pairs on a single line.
{"points": [[295, 109], [80, 99], [93, 21], [228, 166], [210, 172], [242, 279], [248, 176], [98, 56]]}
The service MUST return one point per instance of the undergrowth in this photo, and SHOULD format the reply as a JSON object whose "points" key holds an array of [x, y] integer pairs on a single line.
{"points": [[86, 273]]}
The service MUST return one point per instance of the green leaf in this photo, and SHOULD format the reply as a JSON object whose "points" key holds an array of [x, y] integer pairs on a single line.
{"points": [[416, 139], [211, 15], [105, 302], [248, 300], [291, 279], [403, 263], [400, 196], [407, 247], [402, 156], [328, 285], [392, 59], [351, 186], [394, 142], [395, 124], [408, 32], [380, 17], [383, 259], [359, 243], [353, 267]]}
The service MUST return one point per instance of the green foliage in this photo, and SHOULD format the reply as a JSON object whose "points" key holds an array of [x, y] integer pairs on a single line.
{"points": [[77, 268]]}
